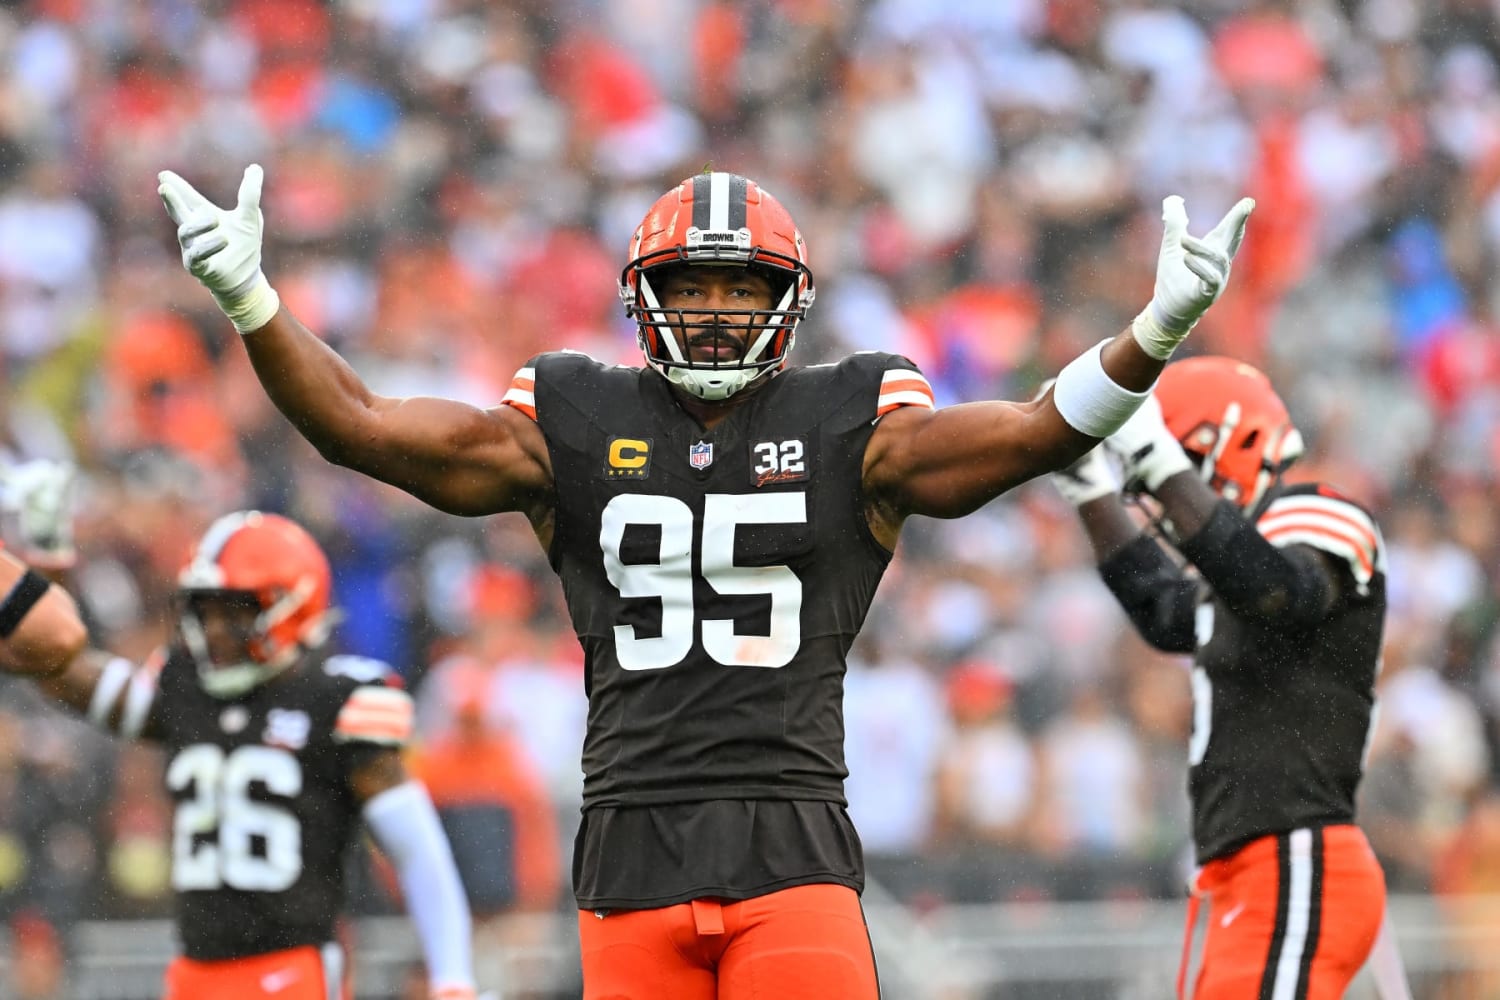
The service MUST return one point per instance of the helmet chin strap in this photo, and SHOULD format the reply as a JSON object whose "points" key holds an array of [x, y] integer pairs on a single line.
{"points": [[709, 384], [230, 680]]}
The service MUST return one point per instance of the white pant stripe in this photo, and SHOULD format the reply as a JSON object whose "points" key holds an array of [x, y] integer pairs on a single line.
{"points": [[333, 970], [1298, 912]]}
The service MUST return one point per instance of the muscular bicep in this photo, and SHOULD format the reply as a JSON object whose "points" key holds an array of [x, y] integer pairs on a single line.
{"points": [[949, 462], [459, 458], [456, 457]]}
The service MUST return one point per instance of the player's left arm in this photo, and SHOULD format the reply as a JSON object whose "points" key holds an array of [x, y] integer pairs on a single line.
{"points": [[949, 462], [1296, 584], [400, 816], [41, 631]]}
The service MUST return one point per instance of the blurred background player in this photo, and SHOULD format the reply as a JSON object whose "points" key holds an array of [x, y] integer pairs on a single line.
{"points": [[720, 522], [1282, 608], [275, 750]]}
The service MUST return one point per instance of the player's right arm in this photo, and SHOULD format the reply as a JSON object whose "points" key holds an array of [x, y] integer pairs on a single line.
{"points": [[1158, 597], [459, 458]]}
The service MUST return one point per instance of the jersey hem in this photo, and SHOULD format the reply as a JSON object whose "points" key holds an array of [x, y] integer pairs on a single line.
{"points": [[725, 893], [1232, 846], [742, 793]]}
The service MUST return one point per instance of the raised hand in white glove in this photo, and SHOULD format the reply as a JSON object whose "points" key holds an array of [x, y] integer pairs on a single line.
{"points": [[1190, 275], [1088, 478], [1149, 455], [39, 496], [221, 247]]}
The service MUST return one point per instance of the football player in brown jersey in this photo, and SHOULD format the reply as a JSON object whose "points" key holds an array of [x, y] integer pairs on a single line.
{"points": [[1278, 592], [720, 521], [275, 752]]}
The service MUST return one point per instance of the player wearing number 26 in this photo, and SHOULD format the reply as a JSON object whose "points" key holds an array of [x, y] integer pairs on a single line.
{"points": [[1283, 611], [720, 522], [275, 751]]}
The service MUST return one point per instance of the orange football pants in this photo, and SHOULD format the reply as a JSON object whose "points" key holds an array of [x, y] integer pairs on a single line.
{"points": [[809, 942], [294, 974], [1291, 916]]}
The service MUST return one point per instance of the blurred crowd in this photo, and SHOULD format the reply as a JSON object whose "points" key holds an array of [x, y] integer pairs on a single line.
{"points": [[450, 188]]}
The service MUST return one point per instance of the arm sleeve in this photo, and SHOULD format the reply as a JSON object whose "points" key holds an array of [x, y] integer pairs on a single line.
{"points": [[1159, 598], [406, 827], [1254, 578]]}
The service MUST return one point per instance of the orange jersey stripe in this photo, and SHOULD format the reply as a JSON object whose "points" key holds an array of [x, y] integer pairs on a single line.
{"points": [[1327, 523], [522, 392], [903, 387], [1345, 515], [377, 715], [1310, 535]]}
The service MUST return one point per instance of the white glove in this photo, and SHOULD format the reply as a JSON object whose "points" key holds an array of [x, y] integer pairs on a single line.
{"points": [[1088, 478], [39, 495], [221, 248], [1190, 275], [1149, 455]]}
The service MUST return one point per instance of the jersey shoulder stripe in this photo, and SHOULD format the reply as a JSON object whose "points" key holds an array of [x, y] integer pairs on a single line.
{"points": [[1331, 523], [375, 714], [522, 392], [903, 387]]}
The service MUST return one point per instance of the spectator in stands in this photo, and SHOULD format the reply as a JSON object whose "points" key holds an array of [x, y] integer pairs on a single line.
{"points": [[493, 804], [986, 792]]}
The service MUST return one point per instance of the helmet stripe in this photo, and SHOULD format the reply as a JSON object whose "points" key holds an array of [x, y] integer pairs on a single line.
{"points": [[718, 202], [702, 201], [738, 193], [204, 570]]}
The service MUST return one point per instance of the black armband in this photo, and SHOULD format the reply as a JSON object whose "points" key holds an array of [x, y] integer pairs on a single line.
{"points": [[22, 598], [1252, 576], [1160, 600]]}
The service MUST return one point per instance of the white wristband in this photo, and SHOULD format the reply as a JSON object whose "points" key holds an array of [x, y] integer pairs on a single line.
{"points": [[1089, 400], [253, 308]]}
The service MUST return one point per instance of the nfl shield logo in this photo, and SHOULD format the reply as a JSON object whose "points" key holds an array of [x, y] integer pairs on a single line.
{"points": [[701, 455]]}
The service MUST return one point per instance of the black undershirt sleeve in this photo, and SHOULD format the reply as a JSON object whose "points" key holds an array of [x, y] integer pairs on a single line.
{"points": [[1294, 586], [1159, 598]]}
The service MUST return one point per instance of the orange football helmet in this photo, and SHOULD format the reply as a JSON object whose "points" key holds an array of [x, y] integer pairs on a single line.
{"points": [[274, 566], [718, 218], [1231, 422]]}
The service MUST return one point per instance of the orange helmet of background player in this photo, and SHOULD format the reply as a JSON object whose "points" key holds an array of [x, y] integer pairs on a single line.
{"points": [[270, 562], [1231, 422], [718, 219]]}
